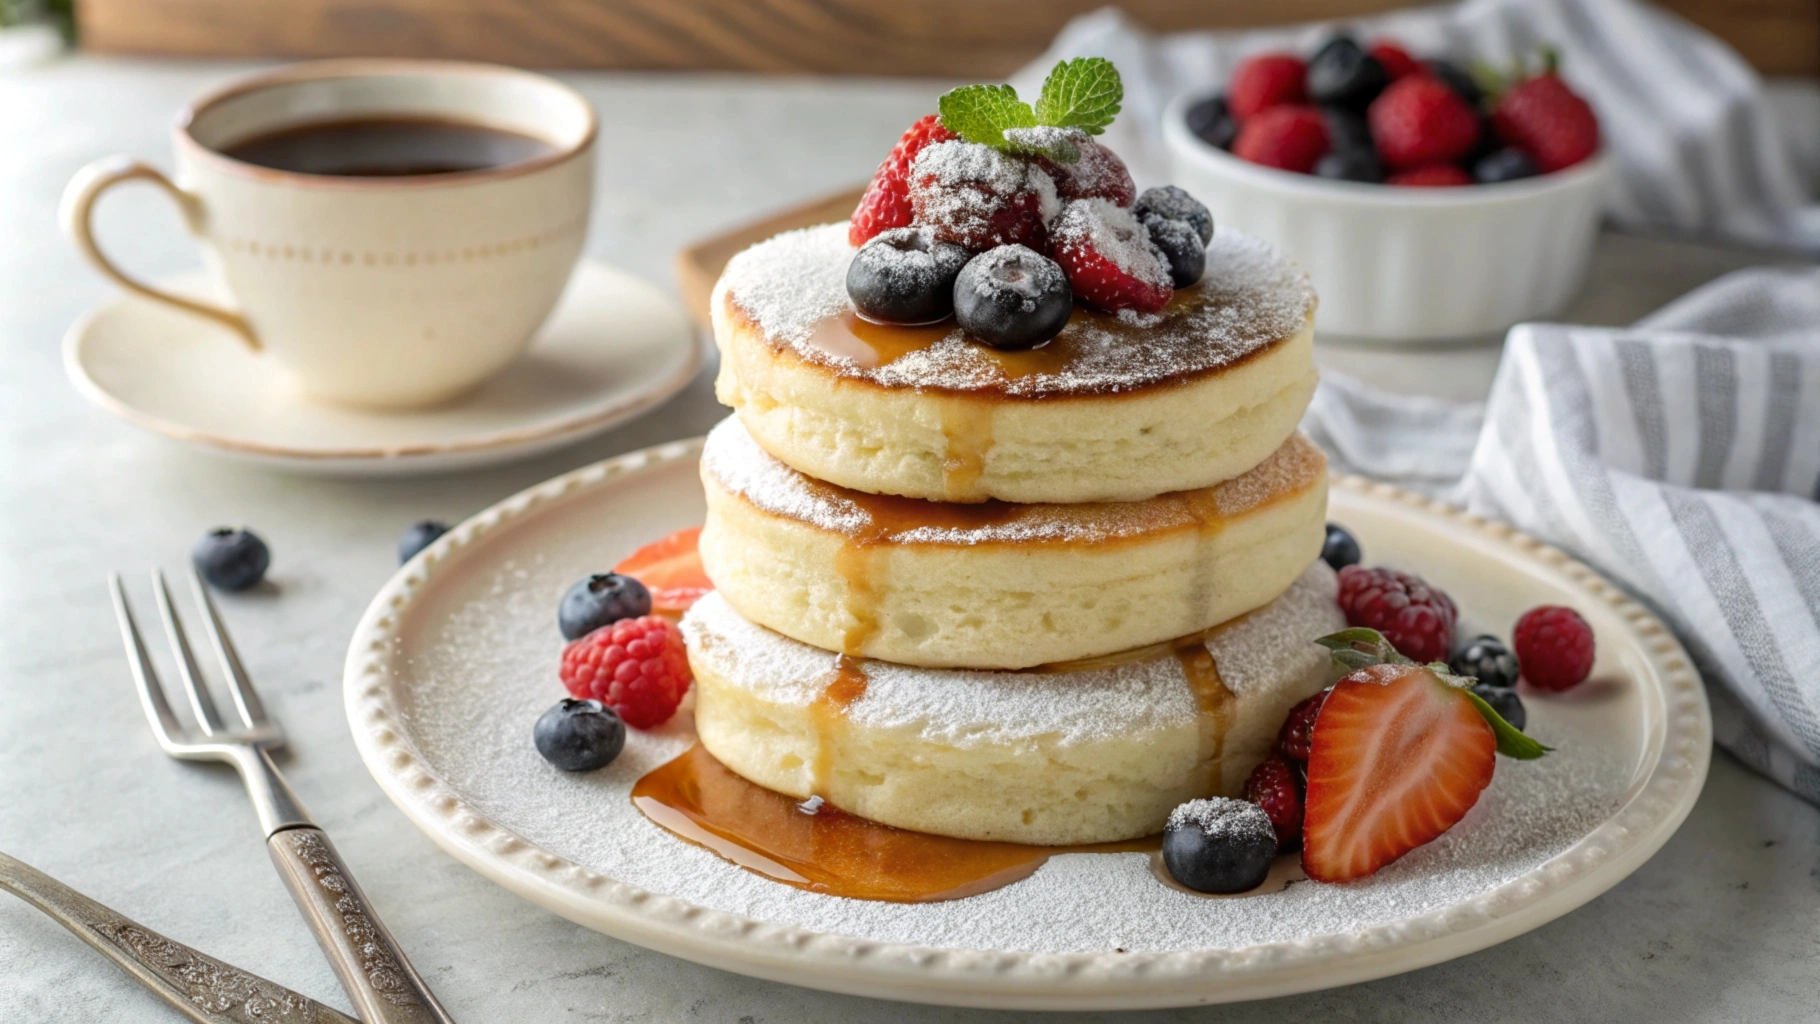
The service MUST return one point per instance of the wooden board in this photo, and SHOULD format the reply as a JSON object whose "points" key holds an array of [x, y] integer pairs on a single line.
{"points": [[946, 38], [699, 265]]}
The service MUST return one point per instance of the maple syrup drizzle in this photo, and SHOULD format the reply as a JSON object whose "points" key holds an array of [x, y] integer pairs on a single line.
{"points": [[830, 851], [828, 715], [967, 427]]}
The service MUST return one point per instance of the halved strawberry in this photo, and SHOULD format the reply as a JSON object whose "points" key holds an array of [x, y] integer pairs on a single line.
{"points": [[671, 569], [1397, 757]]}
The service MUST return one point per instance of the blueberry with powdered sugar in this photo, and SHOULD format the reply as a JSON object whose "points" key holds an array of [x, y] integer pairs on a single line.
{"points": [[1012, 297], [1172, 203], [905, 276], [1181, 248], [1219, 845]]}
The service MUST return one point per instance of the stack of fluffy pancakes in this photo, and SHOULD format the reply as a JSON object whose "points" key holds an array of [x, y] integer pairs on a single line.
{"points": [[1038, 597]]}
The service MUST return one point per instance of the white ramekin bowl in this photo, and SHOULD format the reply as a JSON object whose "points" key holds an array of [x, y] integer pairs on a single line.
{"points": [[1400, 264]]}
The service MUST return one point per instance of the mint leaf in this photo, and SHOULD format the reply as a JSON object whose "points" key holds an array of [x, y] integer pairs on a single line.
{"points": [[981, 113], [1083, 93], [1511, 741]]}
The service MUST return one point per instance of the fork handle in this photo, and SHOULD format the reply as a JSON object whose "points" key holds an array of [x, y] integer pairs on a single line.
{"points": [[383, 985]]}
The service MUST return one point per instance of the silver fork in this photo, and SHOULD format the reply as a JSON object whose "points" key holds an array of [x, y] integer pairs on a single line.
{"points": [[383, 985]]}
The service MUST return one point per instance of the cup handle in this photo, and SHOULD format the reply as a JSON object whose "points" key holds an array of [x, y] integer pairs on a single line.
{"points": [[78, 212]]}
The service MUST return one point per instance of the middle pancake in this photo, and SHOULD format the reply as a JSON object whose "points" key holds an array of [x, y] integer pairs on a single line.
{"points": [[1000, 585]]}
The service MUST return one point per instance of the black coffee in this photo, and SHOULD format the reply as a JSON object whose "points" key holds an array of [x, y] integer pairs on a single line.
{"points": [[387, 148]]}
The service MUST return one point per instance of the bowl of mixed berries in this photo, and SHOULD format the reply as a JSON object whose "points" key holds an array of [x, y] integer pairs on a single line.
{"points": [[1425, 202]]}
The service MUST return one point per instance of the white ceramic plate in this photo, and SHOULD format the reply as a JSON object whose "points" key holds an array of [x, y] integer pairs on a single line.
{"points": [[457, 655], [615, 347]]}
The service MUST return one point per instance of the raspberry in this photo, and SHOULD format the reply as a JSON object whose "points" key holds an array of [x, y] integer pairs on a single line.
{"points": [[1544, 118], [1416, 618], [1098, 174], [1419, 120], [1554, 647], [1276, 786], [1395, 60], [1292, 138], [1109, 258], [980, 198], [1294, 738], [1430, 176], [886, 203], [637, 667], [1264, 81]]}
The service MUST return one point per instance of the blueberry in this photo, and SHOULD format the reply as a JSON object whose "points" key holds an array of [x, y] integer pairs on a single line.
{"points": [[419, 536], [1219, 845], [1346, 129], [231, 559], [1212, 122], [1343, 73], [579, 735], [1505, 165], [905, 276], [1486, 659], [1012, 297], [1181, 248], [1174, 204], [1505, 702], [1456, 78], [1341, 549], [1350, 165], [600, 600]]}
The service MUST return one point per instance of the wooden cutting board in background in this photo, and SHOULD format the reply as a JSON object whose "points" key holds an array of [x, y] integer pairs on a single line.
{"points": [[699, 266], [943, 38]]}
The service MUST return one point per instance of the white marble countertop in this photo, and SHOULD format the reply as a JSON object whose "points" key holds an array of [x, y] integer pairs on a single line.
{"points": [[1724, 924]]}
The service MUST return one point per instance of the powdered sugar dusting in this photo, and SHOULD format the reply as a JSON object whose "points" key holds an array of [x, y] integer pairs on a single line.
{"points": [[1115, 234], [1252, 297], [482, 666], [964, 183], [1221, 817], [1253, 652], [739, 465]]}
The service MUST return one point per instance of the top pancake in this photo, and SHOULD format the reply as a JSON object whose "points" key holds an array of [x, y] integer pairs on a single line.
{"points": [[1116, 408], [791, 290]]}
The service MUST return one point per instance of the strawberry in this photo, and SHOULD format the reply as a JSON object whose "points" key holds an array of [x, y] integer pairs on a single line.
{"points": [[1430, 176], [1398, 754], [1098, 174], [1109, 258], [1395, 60], [1264, 81], [980, 198], [1292, 138], [1419, 120], [1547, 120], [671, 569], [886, 203]]}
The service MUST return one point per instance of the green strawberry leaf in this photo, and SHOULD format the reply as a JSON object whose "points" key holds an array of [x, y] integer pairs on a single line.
{"points": [[982, 113], [1083, 93], [1511, 740], [1359, 647]]}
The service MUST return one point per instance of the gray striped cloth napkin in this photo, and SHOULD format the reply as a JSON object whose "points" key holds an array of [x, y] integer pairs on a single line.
{"points": [[1681, 456], [1697, 147]]}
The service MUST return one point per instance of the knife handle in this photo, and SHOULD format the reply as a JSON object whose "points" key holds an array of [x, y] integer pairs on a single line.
{"points": [[199, 986], [383, 985]]}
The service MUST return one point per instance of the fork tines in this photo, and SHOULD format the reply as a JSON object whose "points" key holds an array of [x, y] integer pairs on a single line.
{"points": [[254, 726]]}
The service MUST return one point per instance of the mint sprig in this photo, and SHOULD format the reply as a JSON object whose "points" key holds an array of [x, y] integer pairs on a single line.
{"points": [[1083, 93], [1081, 96], [981, 113]]}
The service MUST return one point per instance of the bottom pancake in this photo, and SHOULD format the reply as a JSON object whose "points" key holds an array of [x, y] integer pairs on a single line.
{"points": [[1093, 752]]}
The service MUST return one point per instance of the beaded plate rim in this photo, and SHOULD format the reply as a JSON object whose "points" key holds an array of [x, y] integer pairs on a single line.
{"points": [[1657, 805]]}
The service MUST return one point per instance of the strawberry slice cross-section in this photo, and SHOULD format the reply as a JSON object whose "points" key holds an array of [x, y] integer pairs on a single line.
{"points": [[671, 569], [1397, 757]]}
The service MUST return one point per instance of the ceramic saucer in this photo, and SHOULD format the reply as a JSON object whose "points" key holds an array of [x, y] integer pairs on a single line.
{"points": [[614, 348]]}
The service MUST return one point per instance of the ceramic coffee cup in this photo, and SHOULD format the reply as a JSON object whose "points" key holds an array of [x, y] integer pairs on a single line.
{"points": [[385, 290]]}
